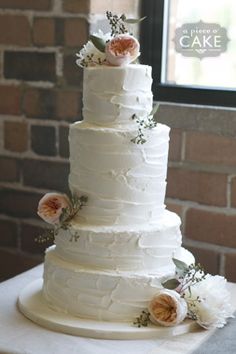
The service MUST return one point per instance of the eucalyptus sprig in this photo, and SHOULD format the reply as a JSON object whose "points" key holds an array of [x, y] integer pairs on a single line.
{"points": [[118, 24], [90, 60], [143, 320], [148, 123], [186, 277]]}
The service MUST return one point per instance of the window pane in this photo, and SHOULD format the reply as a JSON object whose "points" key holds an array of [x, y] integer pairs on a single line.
{"points": [[189, 45]]}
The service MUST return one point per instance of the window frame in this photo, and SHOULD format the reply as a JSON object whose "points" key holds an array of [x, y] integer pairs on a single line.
{"points": [[151, 40]]}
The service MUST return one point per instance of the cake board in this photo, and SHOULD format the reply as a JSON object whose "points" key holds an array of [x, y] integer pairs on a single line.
{"points": [[33, 306]]}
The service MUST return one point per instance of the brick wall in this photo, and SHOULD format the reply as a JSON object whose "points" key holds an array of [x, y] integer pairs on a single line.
{"points": [[40, 95], [202, 182]]}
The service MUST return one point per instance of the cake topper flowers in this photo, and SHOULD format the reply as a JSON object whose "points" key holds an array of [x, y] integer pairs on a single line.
{"points": [[192, 293], [117, 48], [58, 210], [122, 50]]}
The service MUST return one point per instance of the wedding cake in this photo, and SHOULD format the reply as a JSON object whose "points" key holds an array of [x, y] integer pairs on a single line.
{"points": [[126, 237], [116, 246]]}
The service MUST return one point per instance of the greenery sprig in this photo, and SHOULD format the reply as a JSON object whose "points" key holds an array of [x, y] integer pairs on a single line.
{"points": [[187, 276], [143, 123], [118, 24], [143, 320], [76, 204], [89, 60]]}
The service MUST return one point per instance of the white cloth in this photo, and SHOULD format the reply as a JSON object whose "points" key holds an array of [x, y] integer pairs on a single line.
{"points": [[18, 335]]}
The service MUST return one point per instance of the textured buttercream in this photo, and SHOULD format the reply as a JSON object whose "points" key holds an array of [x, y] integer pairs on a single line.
{"points": [[113, 258], [111, 95], [100, 294], [147, 247], [125, 182]]}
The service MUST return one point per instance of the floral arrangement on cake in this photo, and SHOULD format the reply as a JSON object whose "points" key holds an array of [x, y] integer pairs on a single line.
{"points": [[117, 48], [58, 209], [192, 294]]}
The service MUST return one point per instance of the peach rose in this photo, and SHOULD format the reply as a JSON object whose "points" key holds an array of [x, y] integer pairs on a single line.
{"points": [[51, 205], [122, 50], [167, 308]]}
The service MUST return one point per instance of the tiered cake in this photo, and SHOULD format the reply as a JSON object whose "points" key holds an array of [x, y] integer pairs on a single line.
{"points": [[123, 238]]}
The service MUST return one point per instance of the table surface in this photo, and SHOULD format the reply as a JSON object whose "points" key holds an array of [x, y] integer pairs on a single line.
{"points": [[18, 335]]}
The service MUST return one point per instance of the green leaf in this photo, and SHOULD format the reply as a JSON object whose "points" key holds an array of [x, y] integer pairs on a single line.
{"points": [[134, 20], [179, 264], [171, 284], [98, 42], [64, 215], [154, 110]]}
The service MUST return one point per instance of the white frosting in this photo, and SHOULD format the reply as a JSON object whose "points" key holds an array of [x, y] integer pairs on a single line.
{"points": [[125, 182], [111, 95], [99, 294], [147, 248], [126, 238]]}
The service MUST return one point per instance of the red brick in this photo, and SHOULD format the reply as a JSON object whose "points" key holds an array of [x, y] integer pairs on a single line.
{"points": [[29, 243], [230, 267], [175, 208], [31, 101], [10, 100], [26, 4], [39, 103], [15, 136], [19, 203], [233, 192], [175, 145], [209, 259], [14, 30], [64, 141], [210, 148], [202, 187], [8, 233], [13, 263], [54, 176], [1, 66], [75, 6], [73, 75], [9, 169], [44, 31], [68, 105], [43, 140], [30, 66], [211, 227], [76, 32]]}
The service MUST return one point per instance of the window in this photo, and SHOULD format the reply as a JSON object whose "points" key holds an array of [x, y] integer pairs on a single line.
{"points": [[191, 46]]}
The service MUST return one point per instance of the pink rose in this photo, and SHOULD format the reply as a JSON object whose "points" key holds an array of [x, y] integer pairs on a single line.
{"points": [[167, 308], [122, 50], [51, 205]]}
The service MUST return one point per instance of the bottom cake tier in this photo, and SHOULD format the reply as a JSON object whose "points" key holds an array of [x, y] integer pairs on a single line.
{"points": [[100, 294]]}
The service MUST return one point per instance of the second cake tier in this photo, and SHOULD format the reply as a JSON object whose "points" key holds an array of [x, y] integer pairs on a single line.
{"points": [[125, 182]]}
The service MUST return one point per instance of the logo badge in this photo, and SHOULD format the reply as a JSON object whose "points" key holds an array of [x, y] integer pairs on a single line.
{"points": [[201, 39]]}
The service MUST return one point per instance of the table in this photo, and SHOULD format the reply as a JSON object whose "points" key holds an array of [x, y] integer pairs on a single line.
{"points": [[18, 335]]}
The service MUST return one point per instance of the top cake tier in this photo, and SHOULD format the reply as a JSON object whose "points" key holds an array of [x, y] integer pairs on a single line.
{"points": [[112, 95]]}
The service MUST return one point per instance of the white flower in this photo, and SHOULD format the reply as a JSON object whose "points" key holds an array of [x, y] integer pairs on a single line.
{"points": [[89, 54], [209, 302], [167, 308]]}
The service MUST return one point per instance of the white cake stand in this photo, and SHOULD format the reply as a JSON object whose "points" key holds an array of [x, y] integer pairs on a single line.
{"points": [[32, 305]]}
